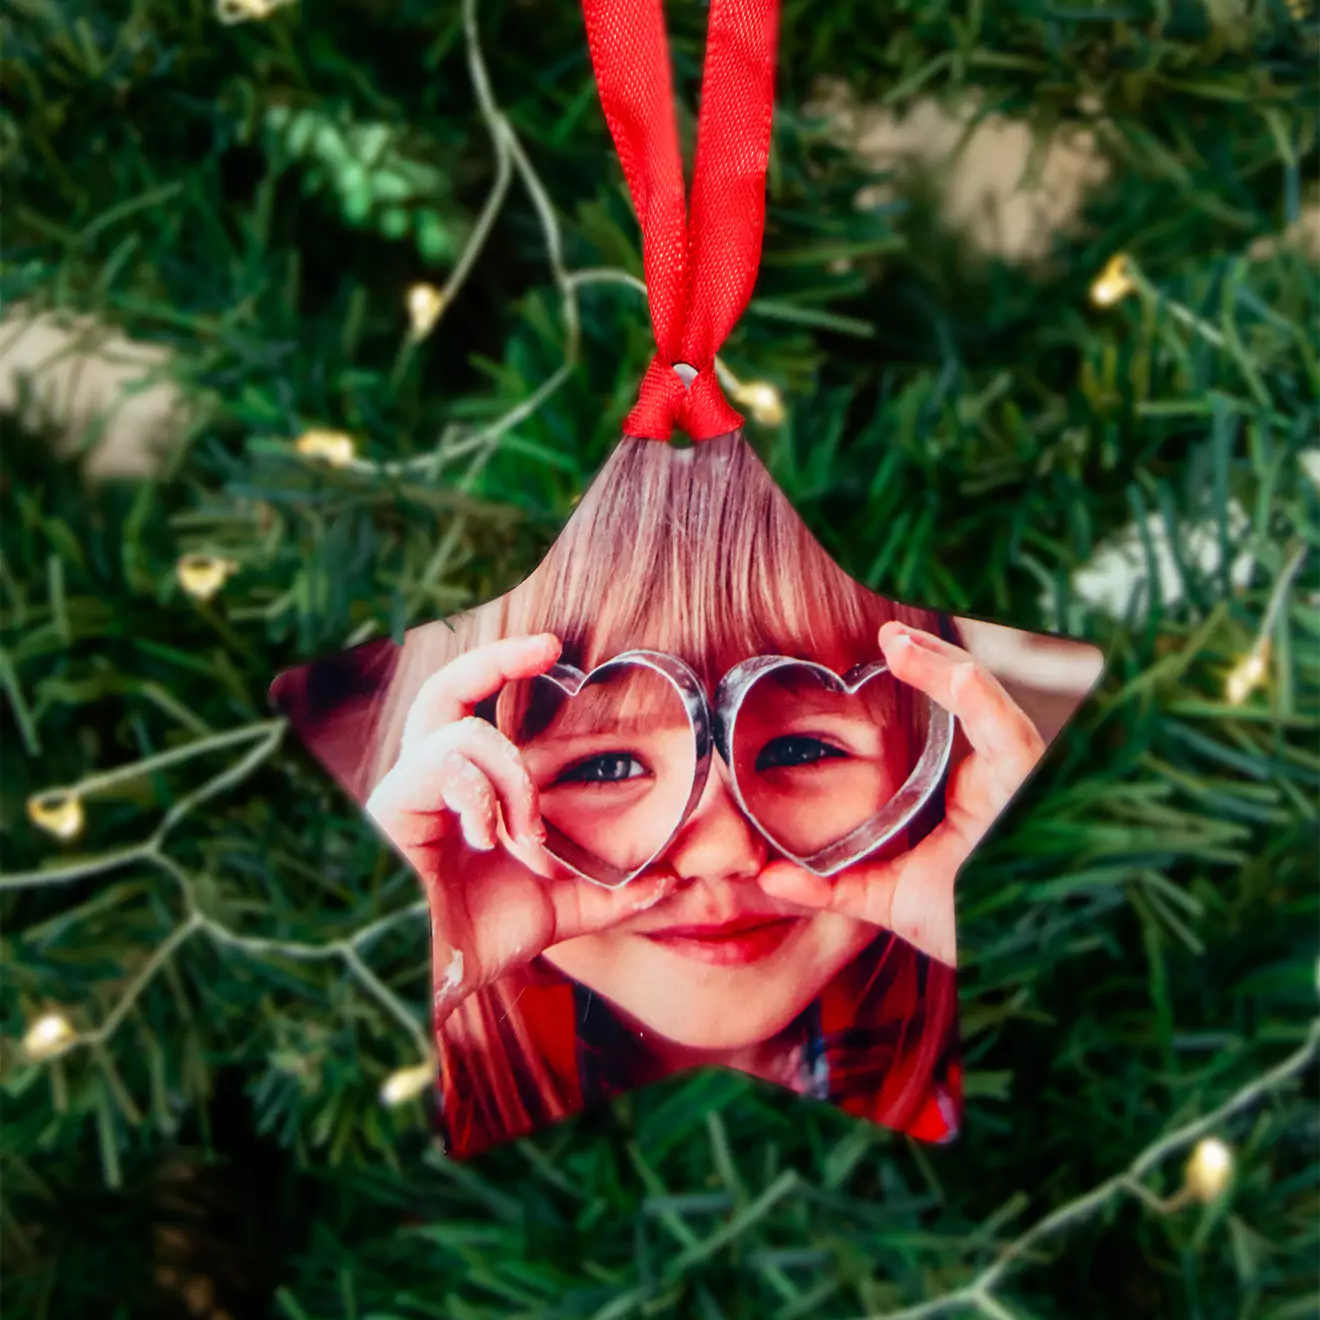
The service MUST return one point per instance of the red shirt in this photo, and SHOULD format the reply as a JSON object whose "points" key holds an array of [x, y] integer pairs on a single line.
{"points": [[880, 1042]]}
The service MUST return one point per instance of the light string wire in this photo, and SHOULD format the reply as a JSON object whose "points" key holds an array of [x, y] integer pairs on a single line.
{"points": [[264, 737], [978, 1295], [479, 443]]}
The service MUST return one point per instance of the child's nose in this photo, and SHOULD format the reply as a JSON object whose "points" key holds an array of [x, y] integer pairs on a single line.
{"points": [[717, 842]]}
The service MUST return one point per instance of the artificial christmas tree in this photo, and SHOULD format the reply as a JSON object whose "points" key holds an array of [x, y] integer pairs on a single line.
{"points": [[213, 971]]}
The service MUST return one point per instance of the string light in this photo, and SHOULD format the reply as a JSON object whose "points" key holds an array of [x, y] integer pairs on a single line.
{"points": [[1252, 669], [201, 576], [247, 11], [333, 447], [405, 1084], [48, 1037], [1249, 673], [759, 397], [1120, 278], [762, 400], [1209, 1170], [1114, 282], [425, 303], [59, 814]]}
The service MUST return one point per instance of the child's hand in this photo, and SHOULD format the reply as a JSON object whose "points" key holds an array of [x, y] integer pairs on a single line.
{"points": [[912, 894], [463, 810]]}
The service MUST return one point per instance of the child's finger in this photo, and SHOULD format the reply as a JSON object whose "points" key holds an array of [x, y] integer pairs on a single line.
{"points": [[467, 793], [500, 761], [407, 819], [911, 895], [581, 907], [865, 893], [416, 782], [923, 661], [919, 637], [470, 678], [912, 662], [994, 724]]}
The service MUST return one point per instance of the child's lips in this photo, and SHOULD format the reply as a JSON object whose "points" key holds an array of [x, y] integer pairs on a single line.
{"points": [[735, 943]]}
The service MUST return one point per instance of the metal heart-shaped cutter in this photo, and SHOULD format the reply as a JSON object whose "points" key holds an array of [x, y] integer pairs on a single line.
{"points": [[894, 817], [687, 686]]}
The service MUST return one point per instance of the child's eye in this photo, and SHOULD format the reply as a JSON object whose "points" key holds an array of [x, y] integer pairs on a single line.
{"points": [[795, 749], [607, 768]]}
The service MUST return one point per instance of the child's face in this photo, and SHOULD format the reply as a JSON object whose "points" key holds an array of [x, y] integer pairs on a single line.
{"points": [[718, 965]]}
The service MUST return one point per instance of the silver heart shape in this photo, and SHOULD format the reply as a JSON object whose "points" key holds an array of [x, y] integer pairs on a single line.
{"points": [[894, 817], [570, 680]]}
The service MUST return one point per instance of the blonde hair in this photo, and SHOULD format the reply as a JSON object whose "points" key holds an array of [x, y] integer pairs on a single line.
{"points": [[696, 552]]}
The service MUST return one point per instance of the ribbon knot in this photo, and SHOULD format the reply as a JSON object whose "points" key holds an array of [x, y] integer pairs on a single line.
{"points": [[700, 268], [667, 402]]}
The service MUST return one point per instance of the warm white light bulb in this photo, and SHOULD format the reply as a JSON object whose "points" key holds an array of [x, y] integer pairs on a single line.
{"points": [[1247, 675], [425, 303], [1114, 283], [201, 576], [59, 814], [404, 1084], [51, 1034], [1209, 1170], [333, 447], [763, 401]]}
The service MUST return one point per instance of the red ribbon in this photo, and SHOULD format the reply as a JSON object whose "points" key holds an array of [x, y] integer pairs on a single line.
{"points": [[699, 272]]}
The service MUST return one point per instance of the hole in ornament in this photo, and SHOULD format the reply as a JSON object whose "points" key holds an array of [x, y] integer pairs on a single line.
{"points": [[685, 373]]}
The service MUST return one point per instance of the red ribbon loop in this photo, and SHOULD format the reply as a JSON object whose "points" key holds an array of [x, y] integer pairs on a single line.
{"points": [[699, 271]]}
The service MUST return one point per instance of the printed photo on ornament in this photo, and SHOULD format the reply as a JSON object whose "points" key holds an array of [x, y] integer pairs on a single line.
{"points": [[689, 795]]}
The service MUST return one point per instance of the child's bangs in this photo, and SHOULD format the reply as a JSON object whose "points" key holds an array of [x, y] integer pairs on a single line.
{"points": [[701, 556], [712, 614]]}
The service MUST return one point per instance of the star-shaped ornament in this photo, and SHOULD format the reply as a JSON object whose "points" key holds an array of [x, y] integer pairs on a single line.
{"points": [[690, 795]]}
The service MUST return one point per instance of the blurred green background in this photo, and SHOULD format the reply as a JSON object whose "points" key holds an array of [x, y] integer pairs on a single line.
{"points": [[224, 218]]}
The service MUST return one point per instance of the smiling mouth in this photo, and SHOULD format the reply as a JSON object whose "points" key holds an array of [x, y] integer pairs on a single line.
{"points": [[734, 944]]}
